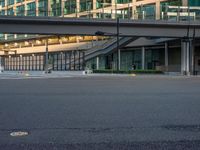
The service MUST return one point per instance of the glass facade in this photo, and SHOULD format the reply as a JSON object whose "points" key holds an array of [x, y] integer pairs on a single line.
{"points": [[56, 8], [146, 12], [10, 2], [31, 9], [43, 8], [69, 7], [69, 60], [20, 10], [2, 3], [194, 3]]}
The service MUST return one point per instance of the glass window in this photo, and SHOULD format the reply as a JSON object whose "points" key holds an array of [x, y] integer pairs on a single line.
{"points": [[56, 7], [10, 12], [10, 2], [31, 9], [20, 10], [43, 8], [70, 6], [194, 3], [2, 3]]}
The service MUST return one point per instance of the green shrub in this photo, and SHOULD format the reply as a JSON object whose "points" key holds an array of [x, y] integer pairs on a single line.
{"points": [[129, 72]]}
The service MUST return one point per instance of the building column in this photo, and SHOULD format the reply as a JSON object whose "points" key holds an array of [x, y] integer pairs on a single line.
{"points": [[134, 9], [186, 59], [37, 7], [77, 8], [94, 7], [62, 8], [157, 9], [97, 63], [184, 2], [49, 8], [143, 58], [6, 10], [166, 57], [192, 55], [119, 59], [113, 9]]}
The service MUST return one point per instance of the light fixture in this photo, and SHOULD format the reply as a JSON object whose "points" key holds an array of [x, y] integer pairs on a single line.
{"points": [[16, 44], [26, 43], [38, 41], [6, 45]]}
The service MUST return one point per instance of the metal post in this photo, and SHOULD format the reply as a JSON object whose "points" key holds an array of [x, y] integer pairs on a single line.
{"points": [[118, 50], [46, 57], [97, 63], [166, 57], [143, 58]]}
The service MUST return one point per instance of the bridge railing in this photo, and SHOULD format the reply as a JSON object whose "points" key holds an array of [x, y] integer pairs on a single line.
{"points": [[122, 11]]}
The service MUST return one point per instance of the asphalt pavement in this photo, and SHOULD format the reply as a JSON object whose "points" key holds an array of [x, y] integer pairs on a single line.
{"points": [[101, 113]]}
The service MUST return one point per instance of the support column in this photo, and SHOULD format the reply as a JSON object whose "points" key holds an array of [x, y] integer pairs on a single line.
{"points": [[62, 8], [77, 8], [37, 7], [6, 5], [143, 58], [119, 59], [94, 7], [192, 54], [166, 57], [134, 9], [49, 8], [184, 2], [185, 57], [97, 63], [25, 7], [46, 57], [157, 9], [113, 9]]}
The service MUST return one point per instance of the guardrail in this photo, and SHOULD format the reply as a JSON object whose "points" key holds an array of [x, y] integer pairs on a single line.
{"points": [[122, 11]]}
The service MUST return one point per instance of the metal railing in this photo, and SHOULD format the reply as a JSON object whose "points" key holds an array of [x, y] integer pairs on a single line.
{"points": [[122, 11]]}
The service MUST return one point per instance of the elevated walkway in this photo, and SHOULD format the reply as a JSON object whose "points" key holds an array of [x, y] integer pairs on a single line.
{"points": [[80, 26]]}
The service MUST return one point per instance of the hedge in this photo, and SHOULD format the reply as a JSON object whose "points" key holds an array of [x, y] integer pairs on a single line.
{"points": [[129, 72]]}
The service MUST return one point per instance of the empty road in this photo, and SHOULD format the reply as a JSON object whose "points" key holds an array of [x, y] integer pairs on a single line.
{"points": [[101, 113]]}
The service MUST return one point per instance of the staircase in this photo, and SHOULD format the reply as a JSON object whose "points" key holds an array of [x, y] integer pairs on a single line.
{"points": [[108, 47]]}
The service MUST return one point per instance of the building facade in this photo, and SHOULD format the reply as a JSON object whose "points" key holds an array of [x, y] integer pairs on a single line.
{"points": [[27, 52]]}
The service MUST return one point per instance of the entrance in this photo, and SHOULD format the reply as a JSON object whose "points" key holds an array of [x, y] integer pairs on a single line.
{"points": [[197, 65]]}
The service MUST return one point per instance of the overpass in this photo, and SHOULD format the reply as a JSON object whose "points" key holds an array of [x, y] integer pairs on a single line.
{"points": [[80, 26]]}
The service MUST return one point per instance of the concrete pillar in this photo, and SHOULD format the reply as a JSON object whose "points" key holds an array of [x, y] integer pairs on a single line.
{"points": [[94, 7], [143, 58], [185, 57], [192, 52], [166, 57], [25, 7], [6, 10], [62, 8], [97, 63], [185, 2], [113, 8], [77, 8], [49, 8], [37, 7], [157, 9], [119, 59], [134, 9]]}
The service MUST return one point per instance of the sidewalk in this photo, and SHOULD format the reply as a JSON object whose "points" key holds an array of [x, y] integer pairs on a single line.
{"points": [[38, 74]]}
